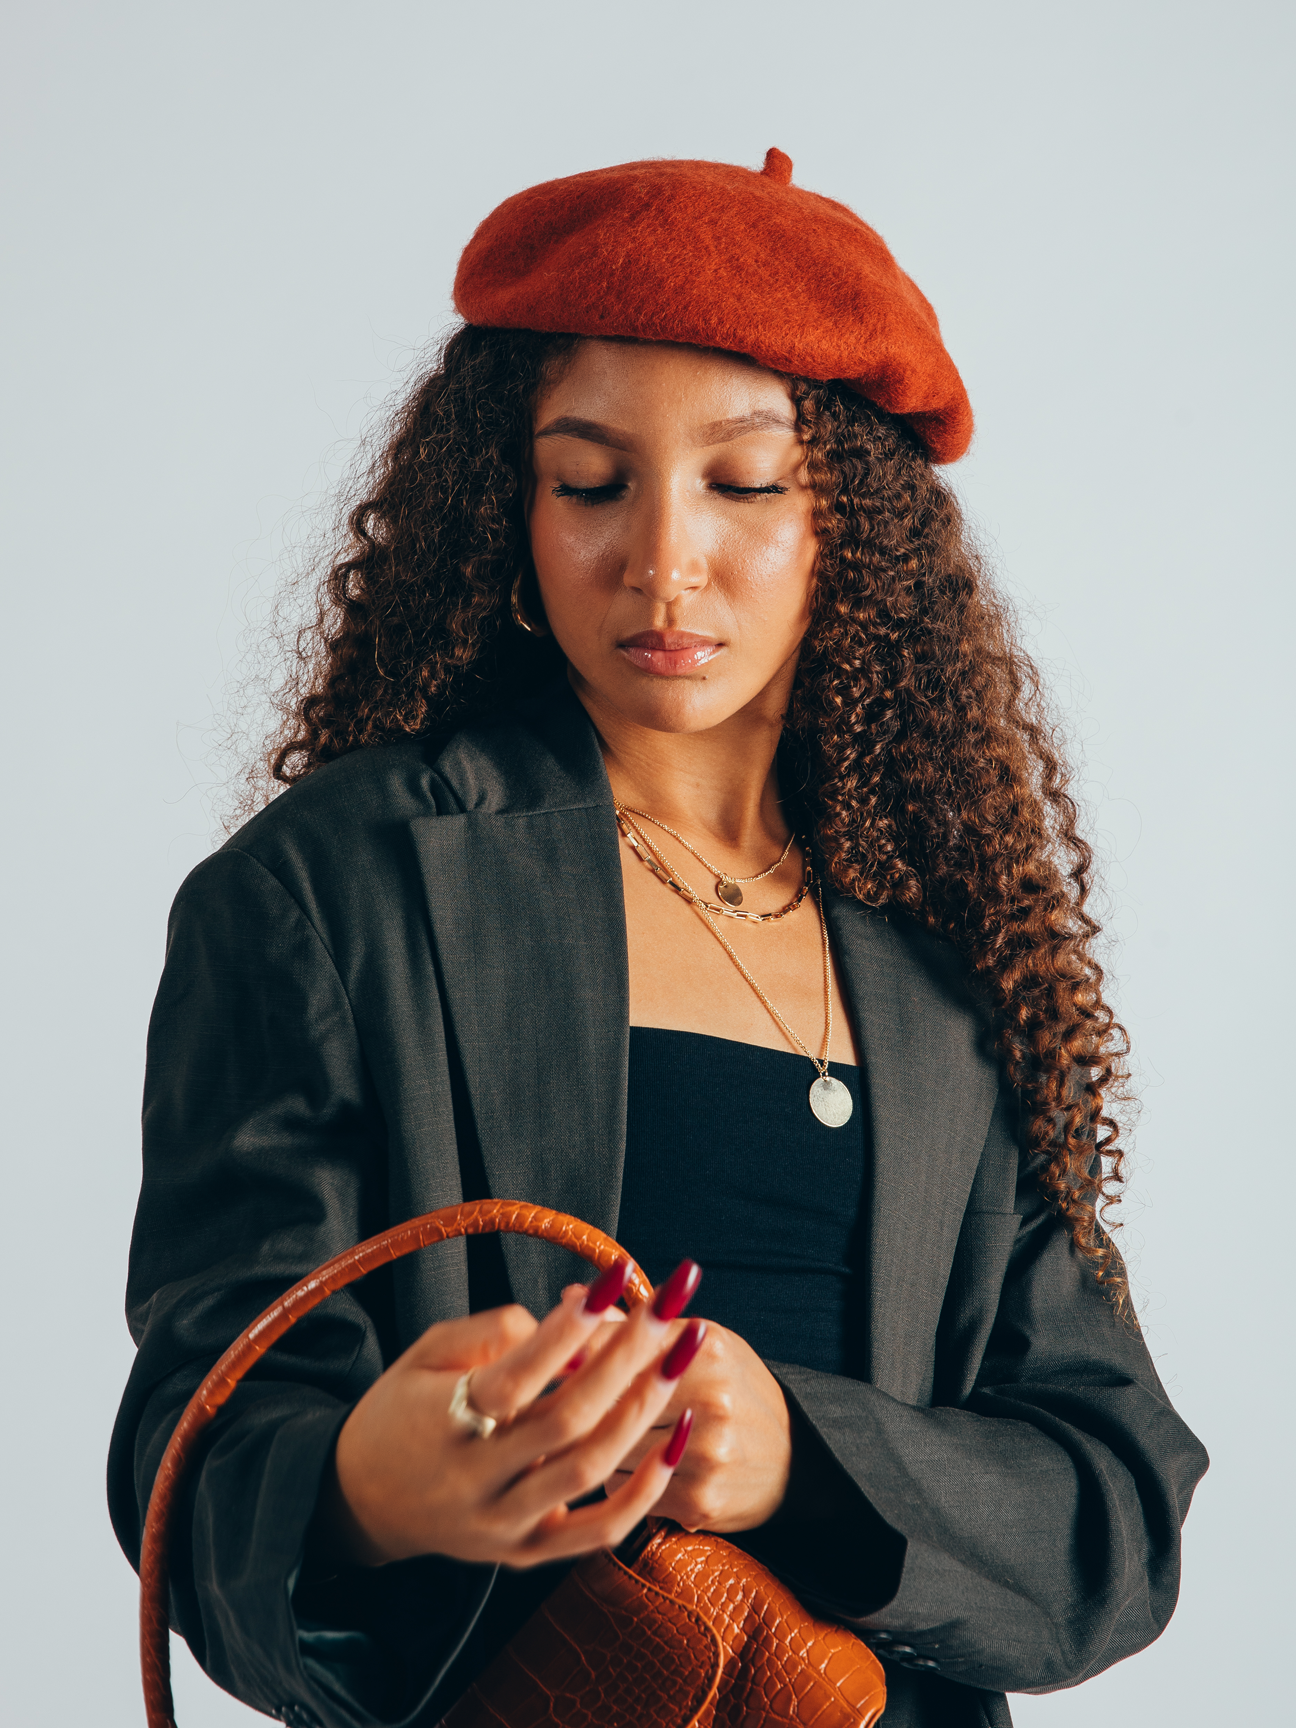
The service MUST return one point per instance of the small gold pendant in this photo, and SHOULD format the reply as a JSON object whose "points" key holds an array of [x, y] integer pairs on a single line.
{"points": [[729, 892]]}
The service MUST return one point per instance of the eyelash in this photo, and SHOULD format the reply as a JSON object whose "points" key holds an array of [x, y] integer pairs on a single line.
{"points": [[606, 494]]}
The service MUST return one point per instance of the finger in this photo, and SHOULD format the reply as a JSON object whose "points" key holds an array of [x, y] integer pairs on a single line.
{"points": [[642, 1447], [563, 1534], [515, 1380], [472, 1340], [695, 1383], [583, 1290], [596, 1342], [685, 1393], [610, 1316], [569, 1474], [584, 1397]]}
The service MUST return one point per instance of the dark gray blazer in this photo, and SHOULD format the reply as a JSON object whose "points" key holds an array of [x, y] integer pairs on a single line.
{"points": [[405, 984]]}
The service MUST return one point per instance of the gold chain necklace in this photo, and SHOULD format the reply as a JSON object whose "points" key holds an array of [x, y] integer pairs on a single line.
{"points": [[648, 854], [830, 1100], [727, 888]]}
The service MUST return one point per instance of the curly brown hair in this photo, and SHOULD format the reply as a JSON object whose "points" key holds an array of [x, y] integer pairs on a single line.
{"points": [[930, 772]]}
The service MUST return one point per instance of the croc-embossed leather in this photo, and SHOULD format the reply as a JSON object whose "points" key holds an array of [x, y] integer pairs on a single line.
{"points": [[692, 1633]]}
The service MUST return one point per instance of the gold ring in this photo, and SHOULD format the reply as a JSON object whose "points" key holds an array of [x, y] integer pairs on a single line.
{"points": [[461, 1411]]}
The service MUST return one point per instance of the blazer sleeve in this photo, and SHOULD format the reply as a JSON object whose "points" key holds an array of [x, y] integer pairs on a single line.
{"points": [[264, 1156], [1023, 1533]]}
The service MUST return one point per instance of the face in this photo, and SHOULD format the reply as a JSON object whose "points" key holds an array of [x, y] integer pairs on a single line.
{"points": [[673, 535]]}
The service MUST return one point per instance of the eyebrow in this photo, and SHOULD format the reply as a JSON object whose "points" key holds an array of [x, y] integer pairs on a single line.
{"points": [[715, 432]]}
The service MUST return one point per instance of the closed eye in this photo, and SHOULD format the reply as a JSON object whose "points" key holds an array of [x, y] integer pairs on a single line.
{"points": [[590, 494], [613, 490]]}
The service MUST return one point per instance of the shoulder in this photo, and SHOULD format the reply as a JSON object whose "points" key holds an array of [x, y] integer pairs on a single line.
{"points": [[341, 838], [351, 802], [338, 831], [540, 753]]}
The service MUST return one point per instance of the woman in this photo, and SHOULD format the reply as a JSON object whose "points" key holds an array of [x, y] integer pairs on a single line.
{"points": [[671, 839]]}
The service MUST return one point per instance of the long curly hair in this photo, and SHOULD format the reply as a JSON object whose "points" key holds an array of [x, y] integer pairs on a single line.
{"points": [[932, 776]]}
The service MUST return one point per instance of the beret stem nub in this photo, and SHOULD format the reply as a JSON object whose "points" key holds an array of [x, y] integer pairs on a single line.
{"points": [[777, 167]]}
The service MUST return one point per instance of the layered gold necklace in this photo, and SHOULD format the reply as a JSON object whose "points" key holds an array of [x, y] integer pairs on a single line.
{"points": [[727, 887], [830, 1100]]}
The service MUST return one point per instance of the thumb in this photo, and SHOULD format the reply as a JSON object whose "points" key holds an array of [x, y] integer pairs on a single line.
{"points": [[470, 1342]]}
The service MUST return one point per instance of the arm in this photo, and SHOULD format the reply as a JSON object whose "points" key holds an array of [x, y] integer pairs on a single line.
{"points": [[1035, 1517], [263, 1156]]}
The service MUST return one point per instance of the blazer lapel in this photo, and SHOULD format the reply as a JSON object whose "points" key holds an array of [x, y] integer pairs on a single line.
{"points": [[931, 1089], [528, 928]]}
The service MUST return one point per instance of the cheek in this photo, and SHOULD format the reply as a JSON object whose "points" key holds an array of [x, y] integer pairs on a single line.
{"points": [[774, 557], [570, 547]]}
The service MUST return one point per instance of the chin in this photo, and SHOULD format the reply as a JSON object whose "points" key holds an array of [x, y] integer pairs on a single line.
{"points": [[677, 705]]}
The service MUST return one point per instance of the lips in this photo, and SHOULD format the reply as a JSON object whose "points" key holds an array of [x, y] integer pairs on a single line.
{"points": [[669, 653]]}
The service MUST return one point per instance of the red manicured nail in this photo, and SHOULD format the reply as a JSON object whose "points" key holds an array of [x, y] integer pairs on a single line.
{"points": [[678, 1441], [608, 1287], [577, 1361], [678, 1291], [683, 1350]]}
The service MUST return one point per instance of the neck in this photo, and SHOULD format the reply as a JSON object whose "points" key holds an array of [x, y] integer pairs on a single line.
{"points": [[721, 784]]}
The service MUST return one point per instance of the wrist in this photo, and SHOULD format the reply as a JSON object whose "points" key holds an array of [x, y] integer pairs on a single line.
{"points": [[335, 1536], [807, 1490]]}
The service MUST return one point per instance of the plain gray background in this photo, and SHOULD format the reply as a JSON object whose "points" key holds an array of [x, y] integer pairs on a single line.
{"points": [[228, 229]]}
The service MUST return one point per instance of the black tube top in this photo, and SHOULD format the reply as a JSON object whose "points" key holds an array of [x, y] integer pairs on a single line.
{"points": [[726, 1163]]}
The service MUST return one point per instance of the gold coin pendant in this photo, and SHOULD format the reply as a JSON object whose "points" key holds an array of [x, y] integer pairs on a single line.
{"points": [[729, 892]]}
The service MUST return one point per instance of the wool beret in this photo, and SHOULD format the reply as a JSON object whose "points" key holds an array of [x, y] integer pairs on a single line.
{"points": [[720, 257]]}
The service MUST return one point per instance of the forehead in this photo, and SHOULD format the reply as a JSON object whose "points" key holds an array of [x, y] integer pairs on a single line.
{"points": [[665, 383]]}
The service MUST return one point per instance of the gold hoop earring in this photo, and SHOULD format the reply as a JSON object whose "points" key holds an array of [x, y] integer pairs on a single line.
{"points": [[519, 616]]}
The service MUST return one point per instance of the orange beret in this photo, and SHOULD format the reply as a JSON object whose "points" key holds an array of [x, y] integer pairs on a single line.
{"points": [[720, 257]]}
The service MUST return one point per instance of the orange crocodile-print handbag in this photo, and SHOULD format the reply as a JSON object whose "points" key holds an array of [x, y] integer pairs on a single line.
{"points": [[676, 1631]]}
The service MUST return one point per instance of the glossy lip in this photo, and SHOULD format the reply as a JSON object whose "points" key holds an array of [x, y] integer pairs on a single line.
{"points": [[669, 653]]}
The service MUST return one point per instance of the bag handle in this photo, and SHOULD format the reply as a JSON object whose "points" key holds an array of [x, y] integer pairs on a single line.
{"points": [[473, 1218]]}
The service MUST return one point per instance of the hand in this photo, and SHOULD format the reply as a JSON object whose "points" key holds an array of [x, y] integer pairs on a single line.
{"points": [[735, 1474], [408, 1479]]}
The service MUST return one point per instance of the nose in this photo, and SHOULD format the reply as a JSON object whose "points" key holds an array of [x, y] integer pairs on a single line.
{"points": [[664, 560]]}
